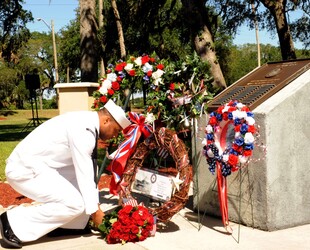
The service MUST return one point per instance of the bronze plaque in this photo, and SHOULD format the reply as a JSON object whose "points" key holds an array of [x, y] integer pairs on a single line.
{"points": [[261, 83]]}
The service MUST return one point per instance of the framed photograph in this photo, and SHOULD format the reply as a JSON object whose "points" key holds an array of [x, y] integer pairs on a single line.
{"points": [[153, 184]]}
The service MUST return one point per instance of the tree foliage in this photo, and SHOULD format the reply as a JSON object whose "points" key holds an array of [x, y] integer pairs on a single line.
{"points": [[13, 33]]}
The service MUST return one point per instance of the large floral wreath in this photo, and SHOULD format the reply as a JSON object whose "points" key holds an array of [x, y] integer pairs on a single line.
{"points": [[237, 118], [174, 91]]}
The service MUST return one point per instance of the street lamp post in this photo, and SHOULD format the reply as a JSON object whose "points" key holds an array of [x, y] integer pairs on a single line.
{"points": [[51, 28]]}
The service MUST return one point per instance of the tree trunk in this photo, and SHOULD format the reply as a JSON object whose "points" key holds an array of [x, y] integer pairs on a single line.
{"points": [[205, 49], [277, 9], [119, 29], [202, 37], [88, 44]]}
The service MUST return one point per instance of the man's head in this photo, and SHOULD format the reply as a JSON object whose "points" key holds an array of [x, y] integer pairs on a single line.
{"points": [[112, 120]]}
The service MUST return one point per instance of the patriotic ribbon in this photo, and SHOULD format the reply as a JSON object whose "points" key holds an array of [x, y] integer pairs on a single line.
{"points": [[132, 135]]}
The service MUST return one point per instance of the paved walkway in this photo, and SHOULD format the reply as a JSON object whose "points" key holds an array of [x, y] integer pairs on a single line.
{"points": [[184, 232]]}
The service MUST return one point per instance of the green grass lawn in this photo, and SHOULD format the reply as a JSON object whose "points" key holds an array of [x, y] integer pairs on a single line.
{"points": [[15, 125]]}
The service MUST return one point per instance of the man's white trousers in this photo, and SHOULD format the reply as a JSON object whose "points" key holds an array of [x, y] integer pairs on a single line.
{"points": [[60, 202]]}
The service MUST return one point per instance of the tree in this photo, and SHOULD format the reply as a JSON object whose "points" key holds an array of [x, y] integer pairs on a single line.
{"points": [[13, 33], [278, 10], [69, 50], [119, 29], [201, 23], [271, 15], [88, 42]]}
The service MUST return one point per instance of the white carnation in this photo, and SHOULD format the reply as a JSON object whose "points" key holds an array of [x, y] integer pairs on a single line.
{"points": [[239, 114], [157, 74], [209, 129], [147, 67], [250, 120], [107, 84], [138, 61], [150, 118], [128, 67], [240, 105], [103, 90], [158, 81], [112, 77], [237, 134], [248, 138]]}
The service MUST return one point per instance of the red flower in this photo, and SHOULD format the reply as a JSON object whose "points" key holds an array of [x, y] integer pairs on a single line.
{"points": [[213, 121], [225, 116], [251, 129], [132, 72], [119, 67], [231, 109], [115, 85], [232, 160], [103, 99], [133, 224], [149, 73], [110, 91], [236, 147], [119, 79], [152, 59], [237, 128], [220, 110], [171, 86], [160, 66], [247, 152], [126, 209], [145, 59]]}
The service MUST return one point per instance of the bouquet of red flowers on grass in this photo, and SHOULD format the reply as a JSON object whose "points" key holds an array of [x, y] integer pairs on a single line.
{"points": [[129, 224]]}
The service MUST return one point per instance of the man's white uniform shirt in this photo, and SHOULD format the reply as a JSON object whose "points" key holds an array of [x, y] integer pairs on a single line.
{"points": [[64, 143]]}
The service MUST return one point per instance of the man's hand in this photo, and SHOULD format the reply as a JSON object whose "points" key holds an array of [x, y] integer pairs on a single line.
{"points": [[97, 217]]}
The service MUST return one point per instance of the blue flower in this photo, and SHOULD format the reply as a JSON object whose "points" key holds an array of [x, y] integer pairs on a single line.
{"points": [[230, 116], [121, 74], [219, 117], [244, 128], [212, 114], [237, 121], [250, 114], [234, 152], [249, 146], [210, 137], [239, 141], [146, 78]]}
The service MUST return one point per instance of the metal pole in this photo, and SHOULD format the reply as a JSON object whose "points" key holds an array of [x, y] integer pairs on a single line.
{"points": [[257, 38], [51, 28], [55, 53]]}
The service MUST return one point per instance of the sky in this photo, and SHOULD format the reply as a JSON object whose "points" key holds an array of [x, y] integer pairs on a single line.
{"points": [[62, 11]]}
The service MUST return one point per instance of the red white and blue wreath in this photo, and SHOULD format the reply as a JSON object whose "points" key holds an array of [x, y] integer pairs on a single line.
{"points": [[228, 144], [229, 138]]}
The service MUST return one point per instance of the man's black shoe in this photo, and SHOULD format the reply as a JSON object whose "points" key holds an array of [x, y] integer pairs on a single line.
{"points": [[9, 238], [67, 232]]}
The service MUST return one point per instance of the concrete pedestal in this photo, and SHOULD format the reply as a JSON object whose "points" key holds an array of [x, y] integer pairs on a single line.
{"points": [[273, 192], [75, 96]]}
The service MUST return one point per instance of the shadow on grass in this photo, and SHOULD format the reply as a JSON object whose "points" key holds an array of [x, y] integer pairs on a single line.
{"points": [[7, 112], [17, 132]]}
